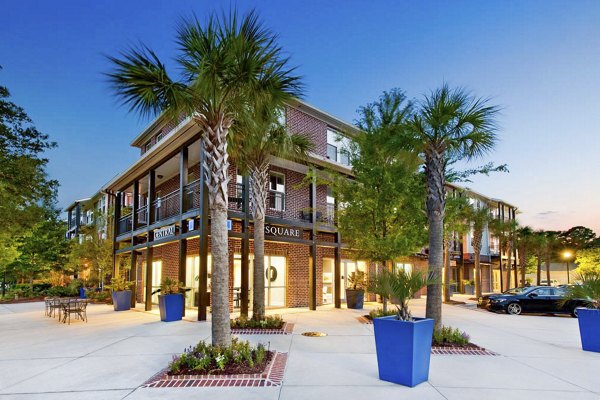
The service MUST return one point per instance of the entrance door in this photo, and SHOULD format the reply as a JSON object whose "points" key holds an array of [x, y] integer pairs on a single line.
{"points": [[328, 269], [275, 280], [156, 278], [347, 268], [192, 271], [237, 280]]}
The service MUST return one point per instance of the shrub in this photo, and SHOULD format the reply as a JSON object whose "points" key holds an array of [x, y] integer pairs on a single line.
{"points": [[269, 322], [100, 297], [380, 313], [119, 284], [448, 335], [206, 358], [62, 291]]}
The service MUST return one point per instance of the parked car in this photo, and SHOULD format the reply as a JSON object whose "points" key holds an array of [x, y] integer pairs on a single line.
{"points": [[533, 299]]}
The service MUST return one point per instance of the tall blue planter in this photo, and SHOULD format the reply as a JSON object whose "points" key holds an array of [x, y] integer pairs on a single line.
{"points": [[82, 293], [589, 328], [122, 300], [171, 307], [403, 349]]}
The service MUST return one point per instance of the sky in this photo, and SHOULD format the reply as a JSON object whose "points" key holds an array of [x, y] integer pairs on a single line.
{"points": [[538, 60]]}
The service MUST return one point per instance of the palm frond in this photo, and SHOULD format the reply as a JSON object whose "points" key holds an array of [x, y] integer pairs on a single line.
{"points": [[142, 83]]}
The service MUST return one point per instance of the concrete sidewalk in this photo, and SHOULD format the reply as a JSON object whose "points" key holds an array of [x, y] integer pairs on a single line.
{"points": [[115, 353]]}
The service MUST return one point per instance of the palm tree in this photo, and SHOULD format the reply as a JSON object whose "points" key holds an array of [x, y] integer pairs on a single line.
{"points": [[538, 245], [552, 244], [227, 64], [261, 139], [448, 125], [479, 217], [455, 225], [524, 244], [504, 230]]}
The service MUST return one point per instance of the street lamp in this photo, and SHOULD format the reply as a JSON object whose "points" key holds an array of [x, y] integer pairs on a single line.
{"points": [[567, 255]]}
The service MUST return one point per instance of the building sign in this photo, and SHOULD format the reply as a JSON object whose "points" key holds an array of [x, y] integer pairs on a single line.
{"points": [[283, 231], [164, 232], [229, 224]]}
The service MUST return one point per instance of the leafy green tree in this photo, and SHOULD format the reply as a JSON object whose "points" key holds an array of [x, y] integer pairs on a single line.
{"points": [[381, 208], [44, 248], [578, 237], [588, 260], [228, 65], [505, 231], [259, 140], [448, 125], [24, 182]]}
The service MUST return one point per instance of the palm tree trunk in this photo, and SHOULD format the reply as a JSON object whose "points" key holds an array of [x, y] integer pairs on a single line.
{"points": [[436, 195], [447, 271], [539, 270], [508, 266], [523, 264], [216, 165], [477, 258], [258, 201], [548, 271]]}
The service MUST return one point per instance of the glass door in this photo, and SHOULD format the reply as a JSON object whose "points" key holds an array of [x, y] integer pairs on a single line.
{"points": [[275, 281], [237, 280], [192, 271], [328, 267], [347, 268], [156, 278]]}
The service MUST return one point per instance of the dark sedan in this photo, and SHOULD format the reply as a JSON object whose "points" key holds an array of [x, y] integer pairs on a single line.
{"points": [[534, 299]]}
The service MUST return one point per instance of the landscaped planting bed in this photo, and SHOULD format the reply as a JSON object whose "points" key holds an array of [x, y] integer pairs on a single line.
{"points": [[270, 325]]}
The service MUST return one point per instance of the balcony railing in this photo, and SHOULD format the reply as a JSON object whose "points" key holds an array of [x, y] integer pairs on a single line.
{"points": [[329, 217], [236, 202], [166, 206], [276, 201], [192, 193], [124, 224], [142, 216]]}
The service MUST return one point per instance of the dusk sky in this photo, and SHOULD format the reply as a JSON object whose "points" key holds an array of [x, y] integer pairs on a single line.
{"points": [[538, 60]]}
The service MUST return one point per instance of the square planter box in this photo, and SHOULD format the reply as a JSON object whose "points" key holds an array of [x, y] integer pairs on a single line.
{"points": [[171, 307], [122, 300], [589, 328], [355, 299], [403, 349], [470, 289]]}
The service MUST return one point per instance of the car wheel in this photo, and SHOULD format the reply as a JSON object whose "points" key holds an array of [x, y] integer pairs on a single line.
{"points": [[574, 312], [514, 309]]}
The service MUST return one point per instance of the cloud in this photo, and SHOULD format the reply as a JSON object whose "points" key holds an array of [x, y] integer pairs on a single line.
{"points": [[545, 214]]}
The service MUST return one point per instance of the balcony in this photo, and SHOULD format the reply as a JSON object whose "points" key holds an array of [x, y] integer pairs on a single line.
{"points": [[192, 193], [124, 224], [166, 206], [142, 216], [276, 203]]}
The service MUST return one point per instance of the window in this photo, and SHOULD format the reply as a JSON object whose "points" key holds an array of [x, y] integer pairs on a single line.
{"points": [[338, 147], [160, 136], [277, 192], [147, 146]]}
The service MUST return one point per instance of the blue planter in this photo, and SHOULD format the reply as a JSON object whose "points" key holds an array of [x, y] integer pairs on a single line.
{"points": [[403, 349], [589, 328], [122, 300], [171, 307], [82, 293]]}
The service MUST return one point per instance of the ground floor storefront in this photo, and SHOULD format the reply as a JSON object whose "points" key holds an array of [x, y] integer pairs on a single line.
{"points": [[288, 271]]}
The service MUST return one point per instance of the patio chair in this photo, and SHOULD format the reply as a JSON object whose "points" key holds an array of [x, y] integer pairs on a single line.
{"points": [[77, 307], [52, 304]]}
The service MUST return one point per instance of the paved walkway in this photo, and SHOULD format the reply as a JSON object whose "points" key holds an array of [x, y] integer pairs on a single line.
{"points": [[112, 355]]}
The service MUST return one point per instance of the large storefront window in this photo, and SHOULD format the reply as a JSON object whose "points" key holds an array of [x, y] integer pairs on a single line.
{"points": [[156, 278], [192, 271]]}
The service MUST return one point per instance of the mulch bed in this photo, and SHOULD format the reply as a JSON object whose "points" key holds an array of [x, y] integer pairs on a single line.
{"points": [[469, 349], [454, 302], [286, 329], [271, 375], [24, 300]]}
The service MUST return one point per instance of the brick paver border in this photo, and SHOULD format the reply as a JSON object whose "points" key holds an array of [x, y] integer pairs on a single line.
{"points": [[271, 376], [286, 329]]}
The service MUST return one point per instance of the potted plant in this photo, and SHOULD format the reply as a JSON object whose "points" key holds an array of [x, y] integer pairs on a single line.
{"points": [[121, 293], [355, 292], [469, 286], [170, 301], [588, 293], [402, 342]]}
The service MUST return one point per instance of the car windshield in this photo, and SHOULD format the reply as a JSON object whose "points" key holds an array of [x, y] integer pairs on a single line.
{"points": [[517, 290]]}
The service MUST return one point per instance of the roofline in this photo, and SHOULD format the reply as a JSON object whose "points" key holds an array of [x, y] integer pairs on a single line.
{"points": [[493, 199], [296, 103]]}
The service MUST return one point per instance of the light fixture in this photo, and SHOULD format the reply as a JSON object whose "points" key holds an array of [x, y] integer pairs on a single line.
{"points": [[159, 176]]}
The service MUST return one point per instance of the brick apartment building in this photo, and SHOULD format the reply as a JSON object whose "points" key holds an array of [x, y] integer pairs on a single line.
{"points": [[162, 227]]}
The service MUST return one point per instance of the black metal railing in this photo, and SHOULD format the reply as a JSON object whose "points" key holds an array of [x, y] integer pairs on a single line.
{"points": [[276, 201], [142, 216], [166, 206], [236, 202], [125, 224], [329, 217], [192, 195]]}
